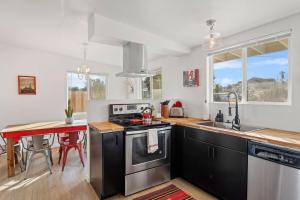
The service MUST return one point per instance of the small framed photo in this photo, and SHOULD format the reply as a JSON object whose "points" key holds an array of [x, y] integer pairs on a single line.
{"points": [[27, 85]]}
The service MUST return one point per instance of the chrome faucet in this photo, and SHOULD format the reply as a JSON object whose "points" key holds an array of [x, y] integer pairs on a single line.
{"points": [[236, 121]]}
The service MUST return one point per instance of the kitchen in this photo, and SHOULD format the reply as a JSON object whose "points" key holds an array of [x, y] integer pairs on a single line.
{"points": [[81, 42]]}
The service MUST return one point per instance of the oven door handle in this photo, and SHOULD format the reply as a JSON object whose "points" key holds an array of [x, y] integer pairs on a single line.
{"points": [[160, 130], [144, 134]]}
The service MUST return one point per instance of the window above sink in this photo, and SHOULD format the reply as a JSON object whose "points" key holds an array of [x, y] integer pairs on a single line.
{"points": [[259, 72]]}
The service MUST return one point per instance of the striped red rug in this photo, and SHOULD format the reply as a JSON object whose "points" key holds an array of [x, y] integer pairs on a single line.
{"points": [[170, 192]]}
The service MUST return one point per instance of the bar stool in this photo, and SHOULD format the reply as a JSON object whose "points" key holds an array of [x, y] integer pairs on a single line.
{"points": [[38, 144]]}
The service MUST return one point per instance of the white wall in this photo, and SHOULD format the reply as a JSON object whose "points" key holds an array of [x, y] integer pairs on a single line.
{"points": [[193, 98], [281, 117], [50, 70]]}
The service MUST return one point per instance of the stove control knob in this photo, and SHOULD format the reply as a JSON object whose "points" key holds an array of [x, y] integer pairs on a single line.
{"points": [[115, 109], [120, 109], [142, 108]]}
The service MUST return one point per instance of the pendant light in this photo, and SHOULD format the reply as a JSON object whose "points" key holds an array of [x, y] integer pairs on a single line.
{"points": [[213, 39], [83, 69]]}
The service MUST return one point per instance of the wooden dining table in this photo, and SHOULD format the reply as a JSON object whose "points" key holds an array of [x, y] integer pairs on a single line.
{"points": [[13, 133]]}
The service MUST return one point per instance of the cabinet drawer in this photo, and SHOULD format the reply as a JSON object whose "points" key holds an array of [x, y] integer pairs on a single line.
{"points": [[219, 139]]}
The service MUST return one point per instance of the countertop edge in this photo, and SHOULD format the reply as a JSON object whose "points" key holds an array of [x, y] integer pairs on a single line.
{"points": [[283, 138], [287, 138], [105, 127]]}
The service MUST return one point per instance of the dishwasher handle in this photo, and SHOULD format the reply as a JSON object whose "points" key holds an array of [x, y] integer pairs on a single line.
{"points": [[268, 155]]}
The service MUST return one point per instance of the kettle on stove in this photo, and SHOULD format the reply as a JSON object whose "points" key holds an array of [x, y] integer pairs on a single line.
{"points": [[147, 115]]}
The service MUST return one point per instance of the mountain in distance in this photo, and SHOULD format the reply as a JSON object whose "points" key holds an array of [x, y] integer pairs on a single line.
{"points": [[261, 80]]}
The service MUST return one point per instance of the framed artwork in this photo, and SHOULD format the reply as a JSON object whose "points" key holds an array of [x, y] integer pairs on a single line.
{"points": [[191, 78], [27, 85]]}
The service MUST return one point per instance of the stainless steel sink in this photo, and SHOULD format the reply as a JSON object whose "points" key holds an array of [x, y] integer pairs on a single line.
{"points": [[244, 128]]}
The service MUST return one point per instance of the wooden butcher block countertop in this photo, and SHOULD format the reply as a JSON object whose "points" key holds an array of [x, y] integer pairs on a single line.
{"points": [[273, 136], [181, 121], [106, 127]]}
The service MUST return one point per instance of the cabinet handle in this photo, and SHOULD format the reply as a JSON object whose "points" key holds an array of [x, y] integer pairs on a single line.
{"points": [[208, 154], [213, 153], [184, 133], [117, 140]]}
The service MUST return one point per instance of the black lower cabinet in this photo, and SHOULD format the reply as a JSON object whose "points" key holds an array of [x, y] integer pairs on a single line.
{"points": [[217, 165], [106, 163], [176, 151], [230, 173], [197, 165]]}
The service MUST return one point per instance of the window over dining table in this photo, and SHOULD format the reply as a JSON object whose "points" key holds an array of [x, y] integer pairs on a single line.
{"points": [[85, 87]]}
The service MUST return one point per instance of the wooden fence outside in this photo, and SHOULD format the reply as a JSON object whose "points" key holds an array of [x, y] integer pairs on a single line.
{"points": [[78, 100]]}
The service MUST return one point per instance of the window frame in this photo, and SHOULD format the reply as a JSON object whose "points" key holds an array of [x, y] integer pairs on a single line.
{"points": [[244, 58], [106, 86], [83, 114], [141, 88], [155, 72]]}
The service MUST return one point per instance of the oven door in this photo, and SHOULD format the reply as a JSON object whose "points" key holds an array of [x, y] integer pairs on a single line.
{"points": [[137, 157]]}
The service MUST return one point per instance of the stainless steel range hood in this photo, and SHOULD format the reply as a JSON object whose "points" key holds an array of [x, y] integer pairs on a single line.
{"points": [[134, 61]]}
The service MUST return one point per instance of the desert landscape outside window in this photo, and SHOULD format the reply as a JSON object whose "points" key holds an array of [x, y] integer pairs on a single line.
{"points": [[258, 72], [267, 72], [227, 74]]}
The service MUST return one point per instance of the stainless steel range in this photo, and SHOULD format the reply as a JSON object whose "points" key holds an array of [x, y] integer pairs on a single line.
{"points": [[142, 169]]}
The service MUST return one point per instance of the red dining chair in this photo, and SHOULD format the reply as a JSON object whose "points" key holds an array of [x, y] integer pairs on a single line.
{"points": [[67, 142]]}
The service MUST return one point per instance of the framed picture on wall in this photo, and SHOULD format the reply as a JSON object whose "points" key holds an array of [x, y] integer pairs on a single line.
{"points": [[191, 78], [27, 85]]}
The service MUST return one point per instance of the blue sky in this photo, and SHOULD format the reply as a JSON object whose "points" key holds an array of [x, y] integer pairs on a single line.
{"points": [[263, 66]]}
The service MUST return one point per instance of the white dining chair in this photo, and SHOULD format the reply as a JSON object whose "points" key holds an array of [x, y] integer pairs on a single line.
{"points": [[37, 144]]}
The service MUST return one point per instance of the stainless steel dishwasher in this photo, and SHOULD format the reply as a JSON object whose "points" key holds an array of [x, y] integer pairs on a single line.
{"points": [[273, 172]]}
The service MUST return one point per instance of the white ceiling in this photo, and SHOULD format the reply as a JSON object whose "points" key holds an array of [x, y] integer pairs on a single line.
{"points": [[184, 20], [61, 26]]}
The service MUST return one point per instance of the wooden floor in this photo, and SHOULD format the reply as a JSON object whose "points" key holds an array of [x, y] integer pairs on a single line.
{"points": [[70, 184]]}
